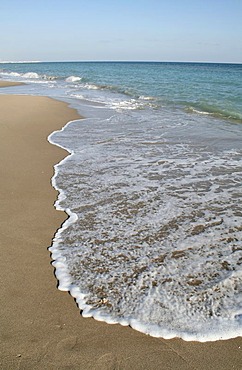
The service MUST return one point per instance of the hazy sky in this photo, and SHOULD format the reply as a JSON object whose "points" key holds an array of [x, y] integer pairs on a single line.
{"points": [[162, 30]]}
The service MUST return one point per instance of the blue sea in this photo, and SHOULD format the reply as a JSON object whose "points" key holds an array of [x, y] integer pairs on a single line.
{"points": [[152, 187]]}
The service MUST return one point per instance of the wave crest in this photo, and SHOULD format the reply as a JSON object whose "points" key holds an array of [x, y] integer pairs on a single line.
{"points": [[214, 111], [73, 79], [31, 75]]}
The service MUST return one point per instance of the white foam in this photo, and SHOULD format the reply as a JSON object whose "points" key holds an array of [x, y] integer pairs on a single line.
{"points": [[143, 97], [91, 86], [73, 79], [30, 75], [199, 111], [121, 104], [10, 74], [62, 273], [77, 96]]}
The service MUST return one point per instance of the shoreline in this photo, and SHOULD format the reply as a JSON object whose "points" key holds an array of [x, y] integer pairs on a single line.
{"points": [[41, 327]]}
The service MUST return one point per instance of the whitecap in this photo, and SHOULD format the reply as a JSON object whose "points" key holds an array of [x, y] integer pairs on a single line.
{"points": [[31, 75], [73, 79]]}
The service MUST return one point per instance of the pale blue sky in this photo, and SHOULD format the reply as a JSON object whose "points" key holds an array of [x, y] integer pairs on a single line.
{"points": [[160, 30]]}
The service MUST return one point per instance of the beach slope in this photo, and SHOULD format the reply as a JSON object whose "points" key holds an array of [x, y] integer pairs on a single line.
{"points": [[40, 326]]}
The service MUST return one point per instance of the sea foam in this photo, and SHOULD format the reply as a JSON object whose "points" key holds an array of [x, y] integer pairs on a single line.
{"points": [[30, 75], [73, 79]]}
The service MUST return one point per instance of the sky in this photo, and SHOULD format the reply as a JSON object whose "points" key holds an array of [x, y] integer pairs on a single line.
{"points": [[147, 30]]}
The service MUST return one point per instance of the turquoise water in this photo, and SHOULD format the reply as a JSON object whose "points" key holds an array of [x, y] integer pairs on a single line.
{"points": [[197, 87], [152, 186]]}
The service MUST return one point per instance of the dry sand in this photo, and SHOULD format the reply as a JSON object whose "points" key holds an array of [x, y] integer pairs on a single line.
{"points": [[40, 326]]}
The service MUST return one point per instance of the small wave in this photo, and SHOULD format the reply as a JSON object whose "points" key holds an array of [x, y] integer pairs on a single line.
{"points": [[73, 79], [10, 74], [126, 104], [134, 104], [92, 87], [119, 104], [115, 89], [209, 110], [142, 97], [77, 96], [131, 104], [193, 110], [50, 78], [30, 75]]}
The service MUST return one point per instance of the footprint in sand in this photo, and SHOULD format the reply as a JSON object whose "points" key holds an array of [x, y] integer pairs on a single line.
{"points": [[67, 344]]}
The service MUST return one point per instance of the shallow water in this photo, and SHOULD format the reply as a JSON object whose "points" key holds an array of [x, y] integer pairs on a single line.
{"points": [[157, 240]]}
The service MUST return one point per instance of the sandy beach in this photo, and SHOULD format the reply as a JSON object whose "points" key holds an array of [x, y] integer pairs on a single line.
{"points": [[40, 326]]}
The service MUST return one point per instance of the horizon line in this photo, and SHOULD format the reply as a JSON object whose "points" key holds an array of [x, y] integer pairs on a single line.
{"points": [[112, 61]]}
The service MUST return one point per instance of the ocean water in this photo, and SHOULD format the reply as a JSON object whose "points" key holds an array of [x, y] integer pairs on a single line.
{"points": [[152, 186]]}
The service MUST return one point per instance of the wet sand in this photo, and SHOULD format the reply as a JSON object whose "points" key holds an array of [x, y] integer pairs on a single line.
{"points": [[40, 326], [9, 83]]}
